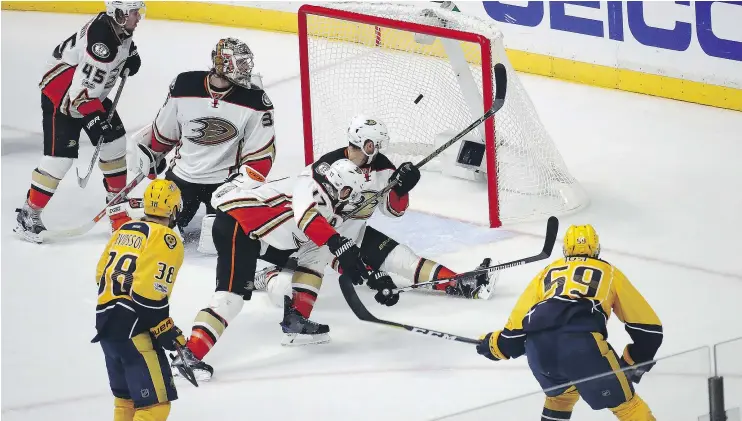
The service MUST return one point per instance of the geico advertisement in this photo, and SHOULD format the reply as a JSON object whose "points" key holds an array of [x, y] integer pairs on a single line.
{"points": [[699, 41]]}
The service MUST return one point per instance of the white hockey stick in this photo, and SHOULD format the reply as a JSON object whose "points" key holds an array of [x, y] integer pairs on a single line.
{"points": [[74, 232], [83, 181]]}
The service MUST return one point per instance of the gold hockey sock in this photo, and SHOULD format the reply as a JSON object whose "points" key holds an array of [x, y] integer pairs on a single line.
{"points": [[123, 409], [560, 407], [157, 412], [634, 410]]}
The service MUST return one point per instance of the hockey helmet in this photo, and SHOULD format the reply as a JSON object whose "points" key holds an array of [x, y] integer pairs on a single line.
{"points": [[162, 198], [581, 240], [233, 60], [370, 135], [119, 11], [347, 179]]}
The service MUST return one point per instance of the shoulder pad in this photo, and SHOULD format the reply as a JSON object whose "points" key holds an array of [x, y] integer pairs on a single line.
{"points": [[256, 98], [190, 84], [102, 41]]}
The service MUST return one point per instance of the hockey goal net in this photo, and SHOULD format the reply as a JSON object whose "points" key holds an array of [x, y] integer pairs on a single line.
{"points": [[427, 73]]}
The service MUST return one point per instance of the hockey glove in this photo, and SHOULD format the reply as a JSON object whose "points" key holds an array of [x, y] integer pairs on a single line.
{"points": [[382, 282], [133, 62], [635, 373], [349, 257], [484, 348], [167, 334], [407, 176], [150, 162], [96, 126]]}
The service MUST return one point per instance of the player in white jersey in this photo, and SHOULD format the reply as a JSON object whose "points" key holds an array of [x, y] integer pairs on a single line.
{"points": [[305, 215], [74, 95], [217, 121]]}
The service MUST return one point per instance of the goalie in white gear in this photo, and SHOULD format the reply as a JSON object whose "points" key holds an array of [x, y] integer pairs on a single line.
{"points": [[217, 121]]}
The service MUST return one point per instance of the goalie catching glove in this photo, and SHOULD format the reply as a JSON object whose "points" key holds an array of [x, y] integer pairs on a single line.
{"points": [[383, 284], [168, 335], [150, 162]]}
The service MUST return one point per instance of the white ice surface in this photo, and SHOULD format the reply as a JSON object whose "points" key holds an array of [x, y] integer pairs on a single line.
{"points": [[664, 182]]}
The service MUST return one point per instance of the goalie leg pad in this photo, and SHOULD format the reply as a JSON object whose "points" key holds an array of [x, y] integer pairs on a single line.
{"points": [[279, 286], [206, 240]]}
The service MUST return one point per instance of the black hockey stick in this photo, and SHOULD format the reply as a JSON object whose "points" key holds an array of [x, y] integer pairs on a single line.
{"points": [[501, 82], [184, 369], [552, 228], [83, 181], [355, 304]]}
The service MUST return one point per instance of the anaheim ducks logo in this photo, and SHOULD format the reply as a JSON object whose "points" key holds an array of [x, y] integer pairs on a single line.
{"points": [[367, 210], [212, 131]]}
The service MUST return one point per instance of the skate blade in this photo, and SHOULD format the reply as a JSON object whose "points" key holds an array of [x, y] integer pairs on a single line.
{"points": [[27, 236], [297, 339]]}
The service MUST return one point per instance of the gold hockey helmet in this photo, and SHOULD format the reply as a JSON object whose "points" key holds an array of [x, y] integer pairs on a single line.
{"points": [[581, 240], [162, 198]]}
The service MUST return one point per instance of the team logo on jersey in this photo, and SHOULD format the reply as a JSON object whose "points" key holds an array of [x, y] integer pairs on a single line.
{"points": [[160, 287], [370, 122], [212, 131], [367, 210], [171, 241], [101, 50], [267, 101]]}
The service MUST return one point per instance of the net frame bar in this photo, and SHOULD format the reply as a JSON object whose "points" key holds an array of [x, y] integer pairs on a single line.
{"points": [[381, 22]]}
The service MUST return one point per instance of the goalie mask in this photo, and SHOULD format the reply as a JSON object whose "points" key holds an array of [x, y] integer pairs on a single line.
{"points": [[347, 179], [368, 134], [125, 14], [233, 60]]}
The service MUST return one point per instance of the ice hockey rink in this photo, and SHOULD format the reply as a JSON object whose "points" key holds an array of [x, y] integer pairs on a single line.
{"points": [[664, 181]]}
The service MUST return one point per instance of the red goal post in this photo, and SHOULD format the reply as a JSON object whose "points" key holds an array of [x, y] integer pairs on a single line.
{"points": [[346, 46]]}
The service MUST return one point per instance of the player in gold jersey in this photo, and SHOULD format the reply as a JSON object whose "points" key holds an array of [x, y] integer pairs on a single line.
{"points": [[135, 277], [559, 323]]}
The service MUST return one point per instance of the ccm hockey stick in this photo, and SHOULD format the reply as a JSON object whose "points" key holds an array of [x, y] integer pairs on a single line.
{"points": [[360, 310], [83, 181], [501, 81], [552, 228], [74, 232]]}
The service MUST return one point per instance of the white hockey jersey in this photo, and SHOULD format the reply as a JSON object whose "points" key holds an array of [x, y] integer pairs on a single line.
{"points": [[85, 67], [214, 133], [292, 212]]}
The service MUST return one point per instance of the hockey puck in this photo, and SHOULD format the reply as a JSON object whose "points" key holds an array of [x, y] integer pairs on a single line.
{"points": [[419, 98]]}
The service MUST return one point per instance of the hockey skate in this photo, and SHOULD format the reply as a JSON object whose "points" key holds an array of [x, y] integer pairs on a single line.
{"points": [[479, 287], [201, 370], [29, 225], [299, 330], [117, 213]]}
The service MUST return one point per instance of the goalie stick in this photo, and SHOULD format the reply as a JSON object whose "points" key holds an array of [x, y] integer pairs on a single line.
{"points": [[83, 181], [552, 228], [74, 232], [360, 310], [501, 82]]}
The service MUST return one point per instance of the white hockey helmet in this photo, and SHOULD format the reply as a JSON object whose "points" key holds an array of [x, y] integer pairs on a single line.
{"points": [[347, 179], [233, 60], [368, 134], [119, 10]]}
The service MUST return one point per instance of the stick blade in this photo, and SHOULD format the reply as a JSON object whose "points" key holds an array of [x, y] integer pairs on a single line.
{"points": [[501, 81], [552, 229], [354, 302]]}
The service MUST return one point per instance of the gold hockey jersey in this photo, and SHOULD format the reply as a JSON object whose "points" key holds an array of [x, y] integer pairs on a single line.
{"points": [[578, 294]]}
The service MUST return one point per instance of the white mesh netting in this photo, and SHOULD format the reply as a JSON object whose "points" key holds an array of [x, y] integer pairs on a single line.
{"points": [[359, 67]]}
